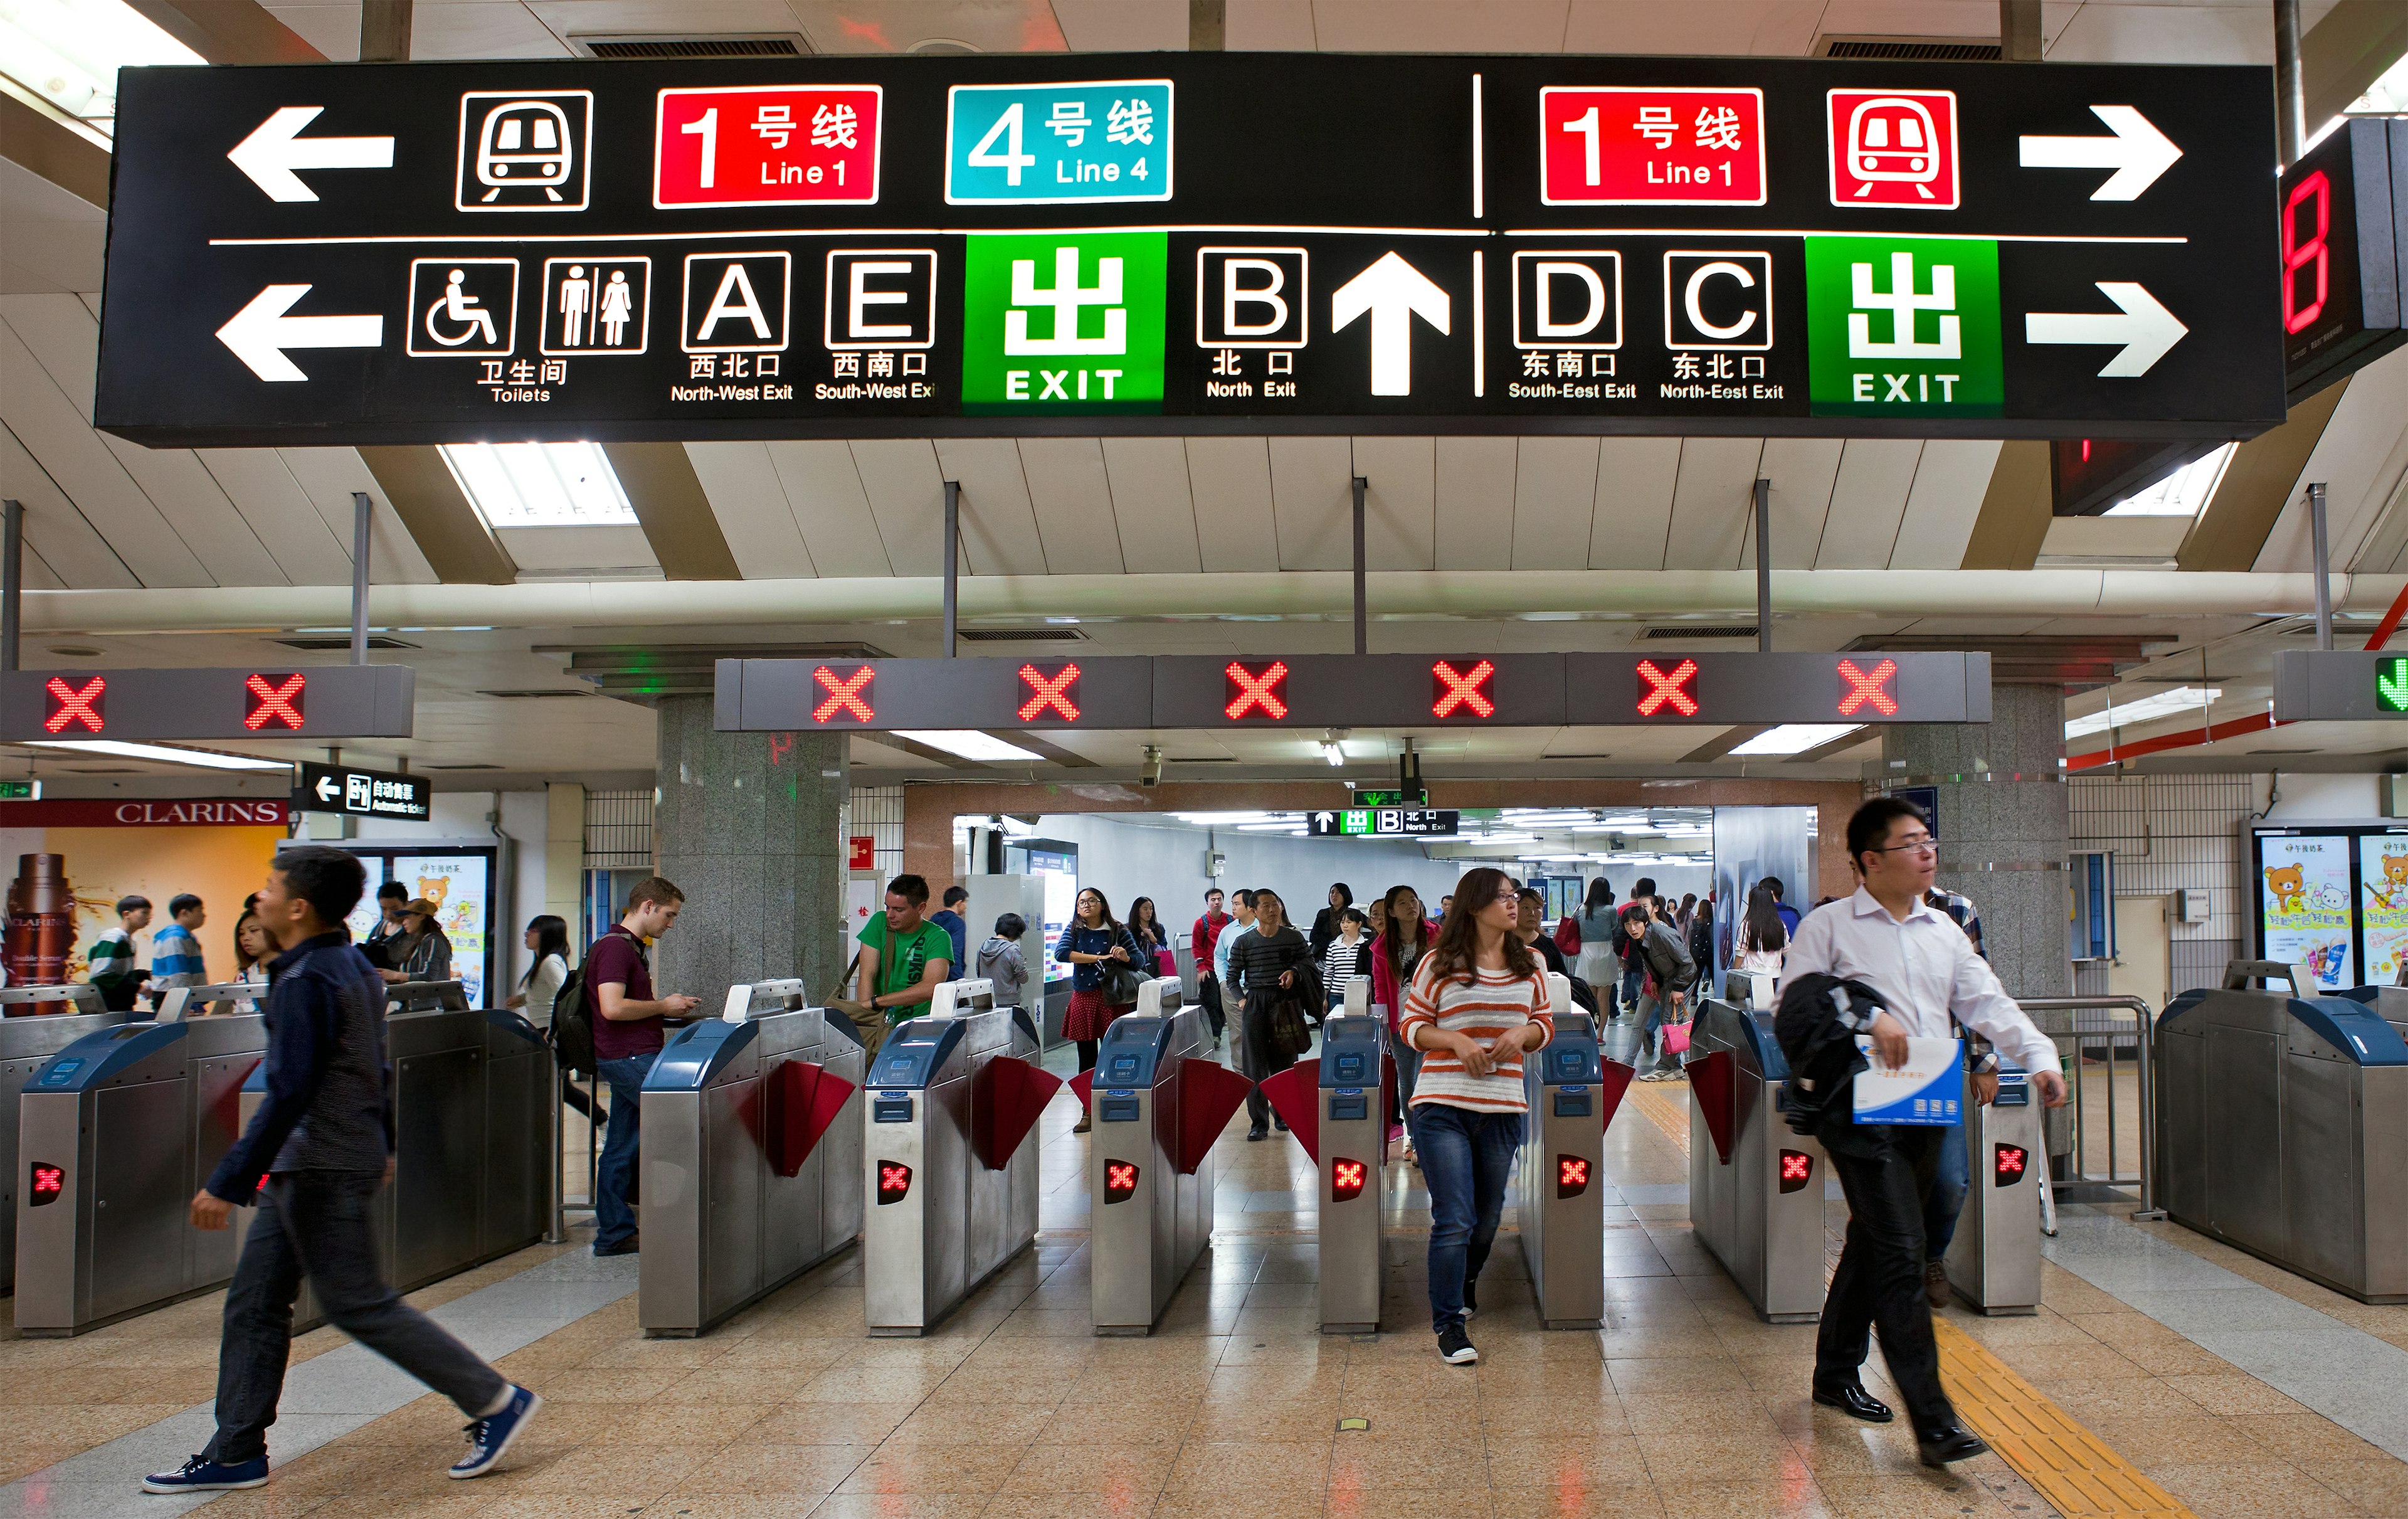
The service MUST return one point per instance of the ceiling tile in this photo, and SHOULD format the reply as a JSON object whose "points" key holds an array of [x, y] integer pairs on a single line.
{"points": [[1729, 26], [488, 29], [1712, 501], [1438, 25], [261, 486], [749, 504], [2359, 457], [1633, 515], [906, 497], [1867, 501], [1950, 480], [328, 476], [1399, 501], [1235, 528], [1153, 505], [1124, 25], [823, 487], [998, 525], [1073, 502], [1803, 471], [51, 240], [841, 26], [1312, 500], [1269, 27], [1473, 491], [54, 528], [1555, 502]]}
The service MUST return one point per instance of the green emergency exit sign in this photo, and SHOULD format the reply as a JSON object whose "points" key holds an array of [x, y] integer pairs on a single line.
{"points": [[21, 791]]}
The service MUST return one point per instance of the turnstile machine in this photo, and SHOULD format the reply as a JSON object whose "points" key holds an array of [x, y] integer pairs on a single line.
{"points": [[1994, 1259], [1158, 1101], [1756, 1188], [953, 1188], [751, 1155], [1335, 1106], [26, 1043], [116, 1133], [1574, 1090], [2282, 1130]]}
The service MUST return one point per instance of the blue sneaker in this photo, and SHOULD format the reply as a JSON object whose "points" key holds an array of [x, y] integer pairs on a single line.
{"points": [[202, 1475], [490, 1437]]}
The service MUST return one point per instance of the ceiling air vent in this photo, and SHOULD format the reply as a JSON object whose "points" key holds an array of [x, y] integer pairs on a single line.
{"points": [[1020, 634], [722, 45], [1700, 630], [317, 645], [1919, 49]]}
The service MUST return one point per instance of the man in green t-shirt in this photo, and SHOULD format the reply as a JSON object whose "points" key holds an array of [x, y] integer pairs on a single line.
{"points": [[904, 958]]}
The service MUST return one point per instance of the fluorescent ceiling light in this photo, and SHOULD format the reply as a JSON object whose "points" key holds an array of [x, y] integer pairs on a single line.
{"points": [[968, 743], [2185, 493], [68, 53], [204, 758], [2147, 710], [1789, 738], [1332, 750], [540, 484]]}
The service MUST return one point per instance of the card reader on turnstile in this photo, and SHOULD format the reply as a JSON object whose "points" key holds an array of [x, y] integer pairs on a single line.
{"points": [[1353, 1143], [1994, 1259], [1572, 1090]]}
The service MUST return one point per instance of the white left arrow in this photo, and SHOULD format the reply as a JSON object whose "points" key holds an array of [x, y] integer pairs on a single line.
{"points": [[326, 788], [260, 332], [2138, 152], [273, 151], [2144, 328], [1392, 291]]}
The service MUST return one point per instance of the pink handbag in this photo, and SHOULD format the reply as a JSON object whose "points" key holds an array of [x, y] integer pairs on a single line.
{"points": [[1676, 1038]]}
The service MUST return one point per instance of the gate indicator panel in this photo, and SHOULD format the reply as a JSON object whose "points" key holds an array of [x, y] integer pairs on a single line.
{"points": [[325, 701]]}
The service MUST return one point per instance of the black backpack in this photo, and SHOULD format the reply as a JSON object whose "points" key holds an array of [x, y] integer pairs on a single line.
{"points": [[572, 1022]]}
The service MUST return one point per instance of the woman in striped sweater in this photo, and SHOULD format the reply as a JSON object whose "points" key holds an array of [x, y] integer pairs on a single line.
{"points": [[1478, 1002]]}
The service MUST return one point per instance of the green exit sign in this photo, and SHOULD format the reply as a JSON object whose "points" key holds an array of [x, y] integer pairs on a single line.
{"points": [[1390, 799], [21, 791], [2391, 684]]}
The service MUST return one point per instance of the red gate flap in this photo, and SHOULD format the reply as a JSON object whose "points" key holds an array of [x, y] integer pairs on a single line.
{"points": [[1612, 1081], [1711, 1089], [803, 1100], [1082, 1087], [1005, 1103], [1295, 1095], [1209, 1094]]}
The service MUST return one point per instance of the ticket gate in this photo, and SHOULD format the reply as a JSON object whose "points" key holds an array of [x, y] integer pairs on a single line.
{"points": [[953, 1096], [1994, 1259], [218, 1000], [1158, 1101], [472, 1094], [751, 1155], [1336, 1108], [1756, 1188], [426, 996], [116, 1132], [26, 1043], [2282, 1128], [1574, 1090]]}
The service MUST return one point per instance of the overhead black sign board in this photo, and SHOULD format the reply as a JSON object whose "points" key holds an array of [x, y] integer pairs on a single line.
{"points": [[1184, 243], [2339, 686], [367, 794], [2344, 253], [1383, 823], [1312, 693], [324, 701]]}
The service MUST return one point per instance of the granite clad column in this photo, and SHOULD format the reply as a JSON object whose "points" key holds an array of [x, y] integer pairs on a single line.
{"points": [[746, 825], [2002, 826]]}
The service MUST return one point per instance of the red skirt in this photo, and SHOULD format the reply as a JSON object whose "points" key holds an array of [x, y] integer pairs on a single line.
{"points": [[1087, 1016]]}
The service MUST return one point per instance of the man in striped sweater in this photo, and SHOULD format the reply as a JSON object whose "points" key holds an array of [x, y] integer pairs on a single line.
{"points": [[1478, 1002]]}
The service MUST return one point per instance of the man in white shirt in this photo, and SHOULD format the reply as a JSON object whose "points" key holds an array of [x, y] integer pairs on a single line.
{"points": [[1888, 937]]}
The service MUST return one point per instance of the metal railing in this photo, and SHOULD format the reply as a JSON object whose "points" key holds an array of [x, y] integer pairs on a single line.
{"points": [[2141, 1041]]}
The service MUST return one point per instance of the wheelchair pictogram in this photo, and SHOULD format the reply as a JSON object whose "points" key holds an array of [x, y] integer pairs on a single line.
{"points": [[463, 307]]}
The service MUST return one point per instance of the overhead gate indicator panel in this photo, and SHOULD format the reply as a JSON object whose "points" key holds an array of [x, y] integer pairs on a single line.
{"points": [[320, 701]]}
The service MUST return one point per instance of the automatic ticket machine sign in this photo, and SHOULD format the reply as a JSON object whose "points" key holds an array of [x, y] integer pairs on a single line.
{"points": [[333, 701]]}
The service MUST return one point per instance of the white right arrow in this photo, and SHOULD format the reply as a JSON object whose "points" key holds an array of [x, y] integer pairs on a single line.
{"points": [[325, 788], [2146, 328], [1392, 291], [2138, 152], [260, 332], [272, 152]]}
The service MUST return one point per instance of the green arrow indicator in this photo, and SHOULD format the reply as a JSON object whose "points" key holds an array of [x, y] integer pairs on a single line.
{"points": [[2391, 684]]}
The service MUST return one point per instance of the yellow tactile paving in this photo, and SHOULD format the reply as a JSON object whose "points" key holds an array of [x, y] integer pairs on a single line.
{"points": [[1660, 1110]]}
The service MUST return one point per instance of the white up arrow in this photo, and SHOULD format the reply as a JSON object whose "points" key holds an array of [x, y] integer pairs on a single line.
{"points": [[2146, 328], [2138, 152], [1392, 291], [271, 154], [260, 332], [325, 788]]}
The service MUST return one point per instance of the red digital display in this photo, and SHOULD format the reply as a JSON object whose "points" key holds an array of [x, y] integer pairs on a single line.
{"points": [[1797, 1170], [1869, 688], [1893, 148], [1463, 694], [274, 699], [849, 695], [48, 1182], [2007, 1162], [1120, 1180], [1057, 693], [1345, 1180], [1572, 1176], [1667, 690], [893, 1181], [1248, 691], [766, 145], [2309, 252], [1640, 145], [69, 705]]}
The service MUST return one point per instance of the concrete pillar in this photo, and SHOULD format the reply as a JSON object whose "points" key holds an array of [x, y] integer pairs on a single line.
{"points": [[2002, 826], [563, 854], [747, 825]]}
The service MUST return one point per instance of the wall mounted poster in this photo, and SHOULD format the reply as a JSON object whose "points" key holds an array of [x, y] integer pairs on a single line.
{"points": [[2304, 900], [461, 889], [2383, 903]]}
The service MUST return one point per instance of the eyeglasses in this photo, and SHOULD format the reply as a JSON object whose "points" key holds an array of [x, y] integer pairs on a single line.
{"points": [[1923, 844]]}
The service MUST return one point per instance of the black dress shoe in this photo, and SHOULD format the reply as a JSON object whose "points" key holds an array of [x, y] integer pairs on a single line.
{"points": [[1953, 1442], [1856, 1403], [1253, 1134], [1281, 1123]]}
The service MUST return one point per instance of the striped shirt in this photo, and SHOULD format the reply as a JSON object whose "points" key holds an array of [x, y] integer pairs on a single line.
{"points": [[175, 958], [1485, 1010]]}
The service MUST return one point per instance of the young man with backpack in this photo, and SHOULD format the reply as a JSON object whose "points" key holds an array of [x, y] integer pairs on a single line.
{"points": [[616, 992]]}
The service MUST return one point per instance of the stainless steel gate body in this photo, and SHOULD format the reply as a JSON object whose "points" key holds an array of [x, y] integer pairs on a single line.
{"points": [[1353, 1142], [1994, 1258], [26, 1044], [1760, 1212], [1147, 1221], [1561, 1186]]}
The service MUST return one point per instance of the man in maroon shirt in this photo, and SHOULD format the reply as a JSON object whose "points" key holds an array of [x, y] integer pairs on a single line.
{"points": [[1203, 937], [628, 1023]]}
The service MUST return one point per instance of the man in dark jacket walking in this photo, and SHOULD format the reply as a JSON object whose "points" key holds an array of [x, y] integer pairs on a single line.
{"points": [[310, 1162]]}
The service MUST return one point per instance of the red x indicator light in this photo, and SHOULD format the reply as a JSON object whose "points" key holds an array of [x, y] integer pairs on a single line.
{"points": [[69, 705], [1247, 691], [893, 1181], [275, 700], [1869, 688], [1057, 693], [1797, 1170], [1345, 1180], [1120, 1180], [1668, 688], [1572, 1176], [849, 695], [2008, 1161], [48, 1182], [1468, 694]]}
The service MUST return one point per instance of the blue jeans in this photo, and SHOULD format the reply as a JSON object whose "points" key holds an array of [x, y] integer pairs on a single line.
{"points": [[1947, 1197], [1631, 981], [1466, 1161], [614, 1221]]}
